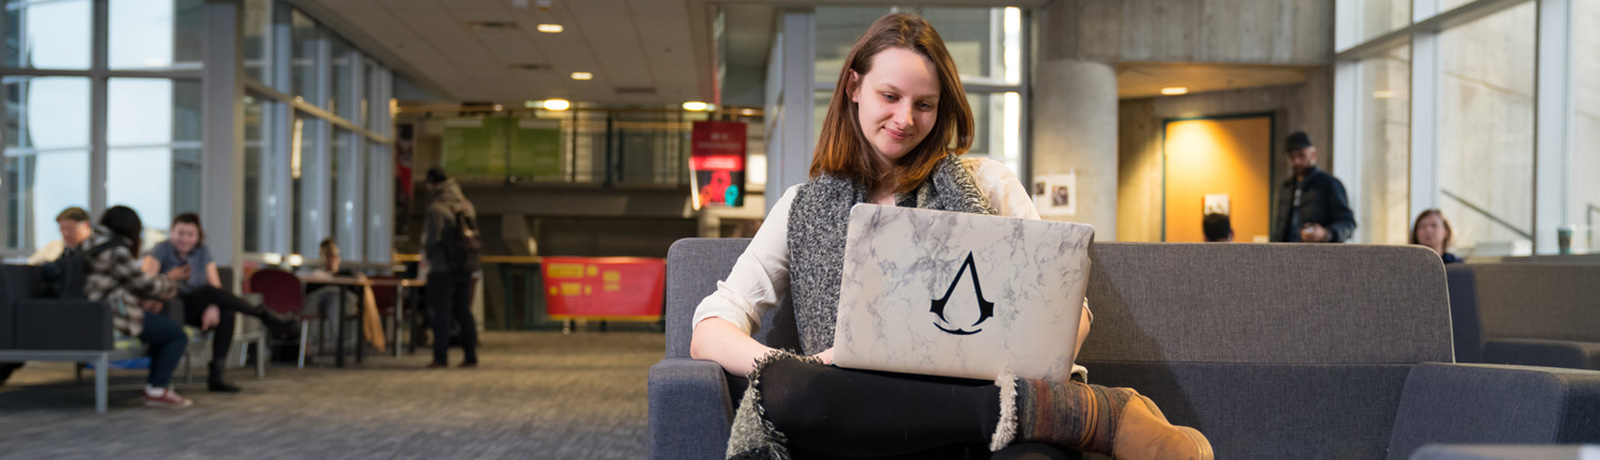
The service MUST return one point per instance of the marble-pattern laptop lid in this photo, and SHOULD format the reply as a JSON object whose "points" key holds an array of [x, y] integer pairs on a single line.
{"points": [[960, 295]]}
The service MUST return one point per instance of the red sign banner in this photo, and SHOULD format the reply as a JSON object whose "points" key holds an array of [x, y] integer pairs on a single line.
{"points": [[604, 288], [717, 158]]}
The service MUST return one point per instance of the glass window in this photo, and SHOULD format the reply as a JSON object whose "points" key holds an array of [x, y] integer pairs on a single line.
{"points": [[1379, 17], [837, 29], [311, 185], [153, 148], [977, 38], [381, 180], [1384, 209], [258, 40], [48, 34], [46, 137], [347, 192], [255, 146], [343, 61], [1583, 192], [997, 123], [306, 40], [1486, 110], [156, 34]]}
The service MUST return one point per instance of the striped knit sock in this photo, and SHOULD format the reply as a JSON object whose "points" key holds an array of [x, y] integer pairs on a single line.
{"points": [[1071, 414]]}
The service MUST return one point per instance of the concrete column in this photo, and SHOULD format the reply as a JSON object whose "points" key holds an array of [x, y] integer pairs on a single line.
{"points": [[1075, 129]]}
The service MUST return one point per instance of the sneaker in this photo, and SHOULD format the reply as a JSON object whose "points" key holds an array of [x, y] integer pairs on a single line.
{"points": [[166, 398], [469, 364]]}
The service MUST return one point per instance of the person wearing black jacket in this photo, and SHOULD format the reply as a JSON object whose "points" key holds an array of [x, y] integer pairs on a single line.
{"points": [[1312, 205]]}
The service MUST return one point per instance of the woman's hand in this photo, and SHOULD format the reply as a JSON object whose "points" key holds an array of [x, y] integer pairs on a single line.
{"points": [[151, 306], [826, 356], [178, 274], [210, 318]]}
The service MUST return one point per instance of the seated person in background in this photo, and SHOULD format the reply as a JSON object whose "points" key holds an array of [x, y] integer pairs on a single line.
{"points": [[323, 299], [184, 259], [74, 222], [1433, 231], [136, 299], [1218, 228]]}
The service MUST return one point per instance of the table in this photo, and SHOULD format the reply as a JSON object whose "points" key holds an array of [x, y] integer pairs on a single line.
{"points": [[400, 284]]}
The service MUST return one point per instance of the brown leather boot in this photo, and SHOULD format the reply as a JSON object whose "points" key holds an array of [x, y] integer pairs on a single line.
{"points": [[1112, 421]]}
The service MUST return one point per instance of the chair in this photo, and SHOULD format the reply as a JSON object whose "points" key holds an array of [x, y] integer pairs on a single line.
{"points": [[282, 292], [389, 303]]}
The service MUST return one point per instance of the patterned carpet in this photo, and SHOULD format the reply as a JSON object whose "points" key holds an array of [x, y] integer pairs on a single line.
{"points": [[535, 395]]}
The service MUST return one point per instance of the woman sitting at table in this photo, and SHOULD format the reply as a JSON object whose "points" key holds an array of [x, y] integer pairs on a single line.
{"points": [[185, 259]]}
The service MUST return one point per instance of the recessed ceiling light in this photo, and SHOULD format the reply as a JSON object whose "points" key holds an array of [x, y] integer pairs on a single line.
{"points": [[1174, 90], [557, 104], [551, 28], [696, 106], [582, 76]]}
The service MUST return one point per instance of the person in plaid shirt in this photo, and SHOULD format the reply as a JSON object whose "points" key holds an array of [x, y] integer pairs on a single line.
{"points": [[135, 299]]}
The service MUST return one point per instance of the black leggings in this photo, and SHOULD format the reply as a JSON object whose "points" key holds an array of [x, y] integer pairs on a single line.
{"points": [[844, 412], [195, 303], [166, 341]]}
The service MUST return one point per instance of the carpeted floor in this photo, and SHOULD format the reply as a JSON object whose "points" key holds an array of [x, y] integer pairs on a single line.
{"points": [[535, 395]]}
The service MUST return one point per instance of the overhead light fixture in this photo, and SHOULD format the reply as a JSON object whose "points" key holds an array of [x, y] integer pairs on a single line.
{"points": [[533, 104], [1382, 94], [551, 28], [557, 104], [696, 106], [747, 112], [1174, 90], [582, 76]]}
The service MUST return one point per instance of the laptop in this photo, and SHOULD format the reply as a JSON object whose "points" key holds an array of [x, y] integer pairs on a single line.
{"points": [[960, 294]]}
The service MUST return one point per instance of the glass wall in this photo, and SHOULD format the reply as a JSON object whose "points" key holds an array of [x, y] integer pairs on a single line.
{"points": [[1452, 120], [324, 131], [1486, 95], [46, 156], [1384, 211], [148, 110]]}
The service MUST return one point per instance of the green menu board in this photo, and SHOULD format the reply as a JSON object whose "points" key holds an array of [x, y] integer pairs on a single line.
{"points": [[536, 148], [475, 147]]}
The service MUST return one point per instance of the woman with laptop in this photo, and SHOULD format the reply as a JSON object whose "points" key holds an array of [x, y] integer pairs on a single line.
{"points": [[893, 134]]}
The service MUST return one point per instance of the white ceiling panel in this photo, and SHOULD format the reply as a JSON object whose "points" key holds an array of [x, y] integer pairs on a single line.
{"points": [[624, 43]]}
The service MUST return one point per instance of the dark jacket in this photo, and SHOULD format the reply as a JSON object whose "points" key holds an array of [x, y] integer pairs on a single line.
{"points": [[441, 217], [1322, 201]]}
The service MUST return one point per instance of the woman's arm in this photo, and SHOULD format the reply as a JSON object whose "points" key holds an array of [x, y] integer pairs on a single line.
{"points": [[212, 276], [150, 266], [716, 339]]}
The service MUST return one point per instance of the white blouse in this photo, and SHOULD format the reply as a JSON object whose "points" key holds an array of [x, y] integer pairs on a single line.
{"points": [[760, 278]]}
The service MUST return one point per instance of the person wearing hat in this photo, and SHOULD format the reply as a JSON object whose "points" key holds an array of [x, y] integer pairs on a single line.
{"points": [[449, 268], [1312, 205]]}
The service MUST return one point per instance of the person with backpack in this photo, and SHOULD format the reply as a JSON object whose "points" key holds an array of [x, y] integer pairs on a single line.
{"points": [[136, 300], [185, 259], [450, 248]]}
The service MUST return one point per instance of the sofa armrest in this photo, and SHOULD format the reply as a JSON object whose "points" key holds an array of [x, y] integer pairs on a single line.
{"points": [[1495, 404], [53, 324], [1522, 452], [690, 409], [1548, 353]]}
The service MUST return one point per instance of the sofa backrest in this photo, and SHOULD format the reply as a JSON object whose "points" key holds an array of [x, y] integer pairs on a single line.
{"points": [[17, 282], [1274, 351], [1464, 322], [1539, 301], [694, 266]]}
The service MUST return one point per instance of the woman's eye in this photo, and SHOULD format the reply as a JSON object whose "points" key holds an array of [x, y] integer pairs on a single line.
{"points": [[926, 106], [891, 97]]}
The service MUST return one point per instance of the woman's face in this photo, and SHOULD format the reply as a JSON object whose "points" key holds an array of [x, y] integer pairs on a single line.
{"points": [[1430, 232], [185, 236], [897, 102]]}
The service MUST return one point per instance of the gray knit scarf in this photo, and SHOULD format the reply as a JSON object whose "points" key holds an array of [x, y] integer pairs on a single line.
{"points": [[818, 219]]}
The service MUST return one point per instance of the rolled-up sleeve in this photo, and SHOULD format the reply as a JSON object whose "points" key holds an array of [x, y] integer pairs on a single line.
{"points": [[760, 277]]}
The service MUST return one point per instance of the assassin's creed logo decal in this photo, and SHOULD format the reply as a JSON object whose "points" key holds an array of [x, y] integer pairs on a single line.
{"points": [[985, 307]]}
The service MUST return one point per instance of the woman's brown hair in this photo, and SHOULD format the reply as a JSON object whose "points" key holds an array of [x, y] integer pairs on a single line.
{"points": [[843, 149], [1448, 233], [191, 219]]}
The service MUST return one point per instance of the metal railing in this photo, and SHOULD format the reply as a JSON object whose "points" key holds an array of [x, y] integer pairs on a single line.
{"points": [[1487, 215]]}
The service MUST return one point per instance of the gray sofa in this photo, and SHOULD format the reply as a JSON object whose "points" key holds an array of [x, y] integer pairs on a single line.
{"points": [[1274, 351], [36, 328], [1542, 314]]}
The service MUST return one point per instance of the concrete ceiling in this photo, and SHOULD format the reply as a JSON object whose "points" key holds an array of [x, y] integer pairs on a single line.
{"points": [[664, 47], [1140, 79], [641, 52]]}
